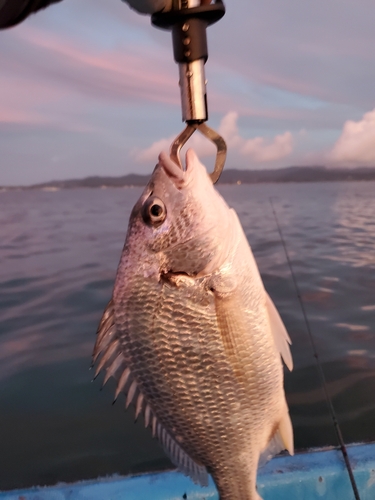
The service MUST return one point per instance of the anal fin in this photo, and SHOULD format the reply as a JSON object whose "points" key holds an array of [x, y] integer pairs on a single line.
{"points": [[281, 440], [179, 457], [286, 433]]}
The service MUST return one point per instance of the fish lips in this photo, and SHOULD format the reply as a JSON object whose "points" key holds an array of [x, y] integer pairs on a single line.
{"points": [[182, 178], [166, 183]]}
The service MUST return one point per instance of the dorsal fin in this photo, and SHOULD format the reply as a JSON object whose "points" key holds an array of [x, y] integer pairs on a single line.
{"points": [[108, 345]]}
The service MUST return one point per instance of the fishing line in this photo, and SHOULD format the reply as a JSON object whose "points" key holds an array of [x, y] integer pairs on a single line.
{"points": [[319, 366]]}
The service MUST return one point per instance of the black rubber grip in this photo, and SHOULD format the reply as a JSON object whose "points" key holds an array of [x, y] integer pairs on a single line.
{"points": [[209, 13], [190, 41]]}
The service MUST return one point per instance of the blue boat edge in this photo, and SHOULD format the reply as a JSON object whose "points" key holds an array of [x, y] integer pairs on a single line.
{"points": [[312, 475]]}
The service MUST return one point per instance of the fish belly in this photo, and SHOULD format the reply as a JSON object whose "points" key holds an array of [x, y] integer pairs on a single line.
{"points": [[221, 401]]}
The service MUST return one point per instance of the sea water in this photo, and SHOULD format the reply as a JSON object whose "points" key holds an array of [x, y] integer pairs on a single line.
{"points": [[58, 257]]}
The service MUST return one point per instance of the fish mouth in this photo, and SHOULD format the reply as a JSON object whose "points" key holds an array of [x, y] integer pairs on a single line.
{"points": [[173, 171]]}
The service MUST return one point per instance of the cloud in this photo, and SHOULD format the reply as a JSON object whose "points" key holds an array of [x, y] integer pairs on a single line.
{"points": [[258, 149], [198, 142], [356, 145], [95, 79], [332, 60], [71, 66]]}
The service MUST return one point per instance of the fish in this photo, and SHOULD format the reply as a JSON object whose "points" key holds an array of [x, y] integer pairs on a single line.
{"points": [[192, 337]]}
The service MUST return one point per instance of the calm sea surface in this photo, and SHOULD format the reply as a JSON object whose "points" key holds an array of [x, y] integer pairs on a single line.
{"points": [[58, 257]]}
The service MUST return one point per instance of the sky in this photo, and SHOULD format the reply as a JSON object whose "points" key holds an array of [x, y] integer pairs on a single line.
{"points": [[89, 87]]}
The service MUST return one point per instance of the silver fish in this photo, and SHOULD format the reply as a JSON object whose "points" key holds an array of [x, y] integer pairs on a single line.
{"points": [[192, 336]]}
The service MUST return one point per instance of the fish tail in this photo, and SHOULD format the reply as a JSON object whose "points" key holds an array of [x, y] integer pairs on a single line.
{"points": [[237, 481]]}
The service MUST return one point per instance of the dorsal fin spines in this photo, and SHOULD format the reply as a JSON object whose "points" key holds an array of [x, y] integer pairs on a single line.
{"points": [[108, 344], [147, 415], [102, 343], [105, 331], [139, 405], [131, 393], [113, 367], [153, 425], [122, 382], [108, 313], [111, 349]]}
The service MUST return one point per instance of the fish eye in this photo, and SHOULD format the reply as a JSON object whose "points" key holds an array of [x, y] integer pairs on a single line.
{"points": [[154, 211]]}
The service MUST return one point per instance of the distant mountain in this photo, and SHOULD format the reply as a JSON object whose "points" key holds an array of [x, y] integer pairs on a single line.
{"points": [[297, 174], [95, 182], [229, 176]]}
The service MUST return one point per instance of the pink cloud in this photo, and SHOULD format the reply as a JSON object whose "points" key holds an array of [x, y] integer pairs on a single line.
{"points": [[118, 73], [58, 67], [35, 105], [202, 146], [262, 150], [356, 144], [19, 102], [258, 149]]}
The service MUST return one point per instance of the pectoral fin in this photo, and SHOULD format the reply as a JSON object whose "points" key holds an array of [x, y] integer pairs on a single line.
{"points": [[233, 330], [280, 335]]}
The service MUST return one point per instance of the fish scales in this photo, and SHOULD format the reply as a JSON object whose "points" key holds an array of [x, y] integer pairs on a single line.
{"points": [[193, 323], [198, 398]]}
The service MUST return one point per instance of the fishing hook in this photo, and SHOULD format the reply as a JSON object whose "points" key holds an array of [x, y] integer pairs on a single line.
{"points": [[210, 134], [188, 20]]}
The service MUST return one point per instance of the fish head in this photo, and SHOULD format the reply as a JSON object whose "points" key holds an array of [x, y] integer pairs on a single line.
{"points": [[179, 223]]}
